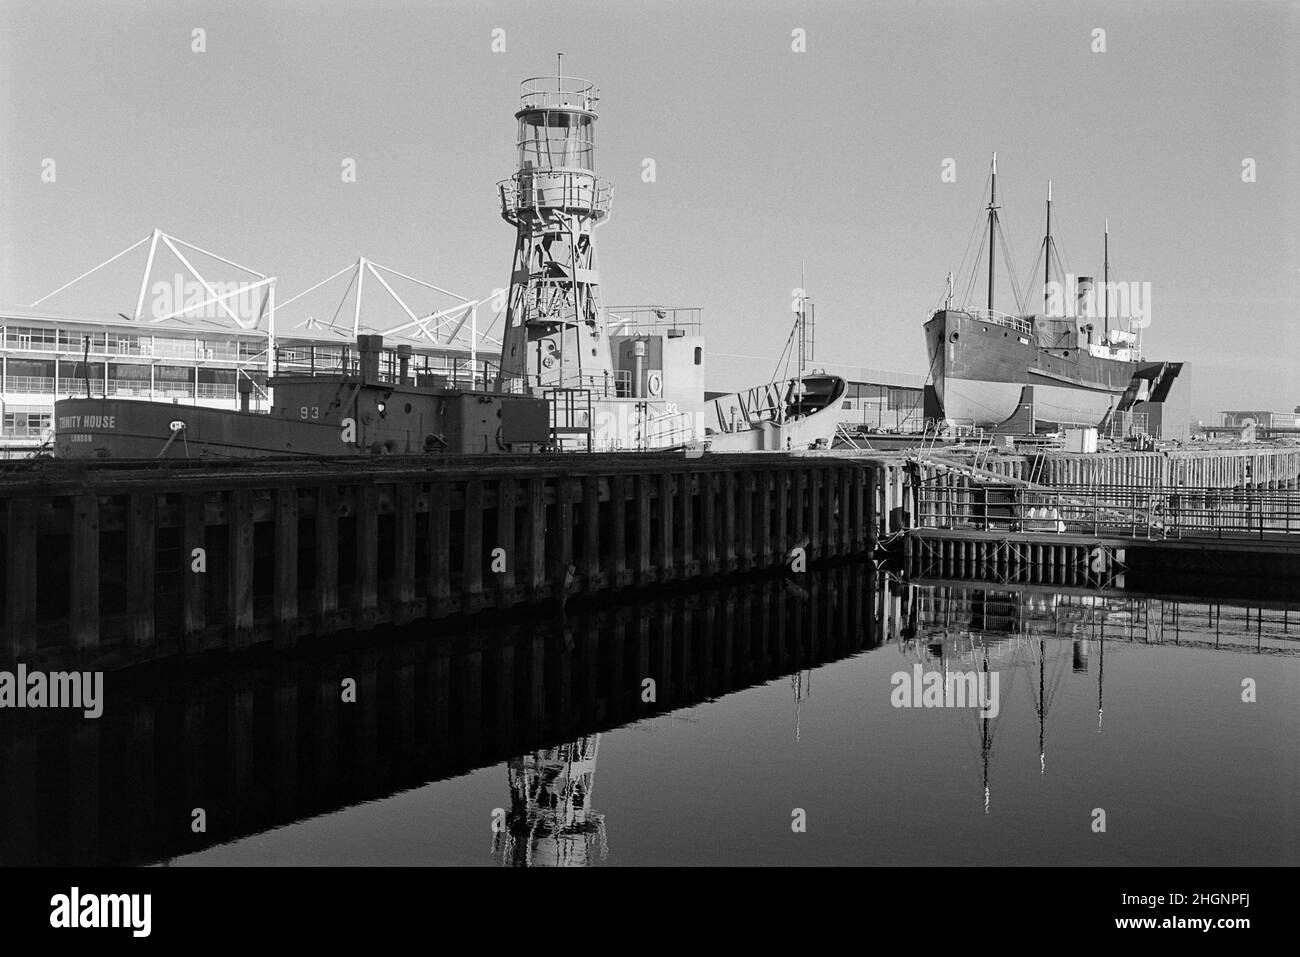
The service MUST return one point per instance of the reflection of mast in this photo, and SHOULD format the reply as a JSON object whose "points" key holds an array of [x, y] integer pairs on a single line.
{"points": [[1101, 670], [1042, 707], [986, 741], [801, 685], [1044, 701], [550, 822]]}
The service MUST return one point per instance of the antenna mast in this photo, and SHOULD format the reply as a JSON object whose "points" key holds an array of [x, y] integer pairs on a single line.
{"points": [[806, 323], [802, 320]]}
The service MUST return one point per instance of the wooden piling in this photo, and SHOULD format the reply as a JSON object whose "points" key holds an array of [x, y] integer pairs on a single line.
{"points": [[667, 553], [438, 547], [83, 575], [239, 595], [194, 586], [326, 598], [20, 577], [404, 536], [285, 601]]}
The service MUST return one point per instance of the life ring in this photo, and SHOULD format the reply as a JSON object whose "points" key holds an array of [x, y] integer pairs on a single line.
{"points": [[654, 384]]}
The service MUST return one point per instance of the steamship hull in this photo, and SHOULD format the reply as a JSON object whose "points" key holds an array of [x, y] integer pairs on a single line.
{"points": [[113, 428], [981, 367], [308, 420]]}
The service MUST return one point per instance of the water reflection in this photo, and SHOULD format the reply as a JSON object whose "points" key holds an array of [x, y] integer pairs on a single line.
{"points": [[551, 821], [961, 627], [529, 703], [257, 746]]}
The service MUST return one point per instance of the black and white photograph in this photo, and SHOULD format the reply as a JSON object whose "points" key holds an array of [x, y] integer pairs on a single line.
{"points": [[790, 435]]}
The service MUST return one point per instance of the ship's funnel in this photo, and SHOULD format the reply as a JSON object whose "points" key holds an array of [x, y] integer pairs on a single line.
{"points": [[1084, 293], [369, 349], [1085, 301]]}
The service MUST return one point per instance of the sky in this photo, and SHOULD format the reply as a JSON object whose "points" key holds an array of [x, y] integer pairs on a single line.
{"points": [[767, 160]]}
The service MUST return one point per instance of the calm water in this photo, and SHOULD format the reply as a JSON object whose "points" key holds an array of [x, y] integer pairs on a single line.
{"points": [[530, 743]]}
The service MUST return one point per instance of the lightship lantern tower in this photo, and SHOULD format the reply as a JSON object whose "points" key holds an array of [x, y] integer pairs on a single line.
{"points": [[554, 335]]}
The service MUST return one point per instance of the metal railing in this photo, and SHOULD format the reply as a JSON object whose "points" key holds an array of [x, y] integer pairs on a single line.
{"points": [[1161, 513], [669, 429], [558, 92], [609, 385], [452, 371], [964, 619], [630, 320], [545, 189], [1017, 323], [29, 383], [129, 387], [24, 431]]}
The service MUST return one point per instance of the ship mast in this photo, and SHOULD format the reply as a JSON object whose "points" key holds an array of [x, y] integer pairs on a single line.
{"points": [[1047, 248], [1105, 284], [993, 221]]}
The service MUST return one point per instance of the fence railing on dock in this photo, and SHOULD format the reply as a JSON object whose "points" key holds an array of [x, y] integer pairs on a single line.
{"points": [[1111, 510]]}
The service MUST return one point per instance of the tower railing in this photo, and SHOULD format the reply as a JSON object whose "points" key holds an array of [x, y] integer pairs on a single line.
{"points": [[540, 189], [558, 92]]}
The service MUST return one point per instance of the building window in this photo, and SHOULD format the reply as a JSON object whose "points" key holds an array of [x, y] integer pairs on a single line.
{"points": [[123, 345], [26, 425], [30, 337]]}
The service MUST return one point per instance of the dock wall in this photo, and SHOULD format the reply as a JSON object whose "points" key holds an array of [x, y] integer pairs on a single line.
{"points": [[111, 567]]}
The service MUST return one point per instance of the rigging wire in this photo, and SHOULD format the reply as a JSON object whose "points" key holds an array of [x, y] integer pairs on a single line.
{"points": [[975, 228], [1011, 267], [974, 273], [1032, 275]]}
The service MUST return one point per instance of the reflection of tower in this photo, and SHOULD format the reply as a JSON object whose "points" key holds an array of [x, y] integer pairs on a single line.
{"points": [[555, 334], [550, 822]]}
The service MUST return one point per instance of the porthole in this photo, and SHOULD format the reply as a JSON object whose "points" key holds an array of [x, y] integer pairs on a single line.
{"points": [[954, 337]]}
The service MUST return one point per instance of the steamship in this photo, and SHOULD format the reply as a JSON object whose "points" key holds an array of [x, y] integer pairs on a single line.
{"points": [[1029, 372]]}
